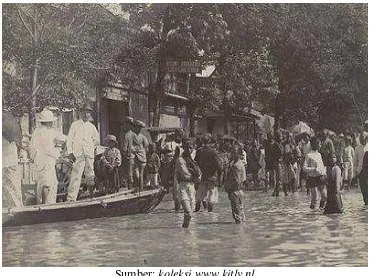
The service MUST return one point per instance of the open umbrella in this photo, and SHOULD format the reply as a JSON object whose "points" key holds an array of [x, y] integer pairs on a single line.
{"points": [[11, 128], [302, 127]]}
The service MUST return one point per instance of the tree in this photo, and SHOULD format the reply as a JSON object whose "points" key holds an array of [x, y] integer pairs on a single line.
{"points": [[321, 56], [54, 53], [175, 32]]}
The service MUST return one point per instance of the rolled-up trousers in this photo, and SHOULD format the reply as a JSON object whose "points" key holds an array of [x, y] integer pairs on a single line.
{"points": [[237, 202], [207, 191]]}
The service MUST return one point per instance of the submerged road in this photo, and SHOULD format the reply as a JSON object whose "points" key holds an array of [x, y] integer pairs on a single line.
{"points": [[279, 231]]}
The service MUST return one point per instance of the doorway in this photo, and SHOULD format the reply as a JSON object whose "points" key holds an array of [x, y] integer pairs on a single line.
{"points": [[112, 115]]}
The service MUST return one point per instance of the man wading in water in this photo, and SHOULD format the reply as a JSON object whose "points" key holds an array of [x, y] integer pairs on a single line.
{"points": [[210, 164], [188, 173]]}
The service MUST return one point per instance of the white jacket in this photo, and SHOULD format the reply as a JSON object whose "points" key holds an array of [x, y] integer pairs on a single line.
{"points": [[82, 139], [42, 146], [313, 164], [358, 158]]}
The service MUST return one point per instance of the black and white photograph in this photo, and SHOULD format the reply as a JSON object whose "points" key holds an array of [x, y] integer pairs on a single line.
{"points": [[167, 135]]}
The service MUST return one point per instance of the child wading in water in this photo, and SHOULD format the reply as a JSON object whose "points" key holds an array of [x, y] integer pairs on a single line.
{"points": [[334, 200], [234, 185]]}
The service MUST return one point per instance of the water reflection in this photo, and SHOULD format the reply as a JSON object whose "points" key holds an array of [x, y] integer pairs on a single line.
{"points": [[278, 232]]}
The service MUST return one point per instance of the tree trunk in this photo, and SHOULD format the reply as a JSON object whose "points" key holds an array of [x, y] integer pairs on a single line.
{"points": [[279, 99], [159, 93], [34, 78], [32, 103]]}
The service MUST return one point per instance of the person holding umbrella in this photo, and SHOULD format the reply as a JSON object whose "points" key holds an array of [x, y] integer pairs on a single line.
{"points": [[44, 152], [81, 142], [12, 135]]}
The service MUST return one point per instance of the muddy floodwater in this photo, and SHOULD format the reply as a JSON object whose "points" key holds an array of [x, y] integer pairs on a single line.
{"points": [[278, 232]]}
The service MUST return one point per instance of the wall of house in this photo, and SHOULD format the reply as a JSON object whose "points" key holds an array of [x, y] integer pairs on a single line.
{"points": [[139, 107], [174, 113]]}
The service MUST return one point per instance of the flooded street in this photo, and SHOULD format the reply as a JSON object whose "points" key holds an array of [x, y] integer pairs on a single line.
{"points": [[278, 232]]}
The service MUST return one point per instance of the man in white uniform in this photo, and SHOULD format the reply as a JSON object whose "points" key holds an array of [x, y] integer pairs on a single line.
{"points": [[81, 142], [12, 194], [43, 152]]}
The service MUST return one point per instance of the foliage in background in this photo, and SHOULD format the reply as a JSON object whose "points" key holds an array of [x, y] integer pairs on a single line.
{"points": [[54, 53], [300, 61]]}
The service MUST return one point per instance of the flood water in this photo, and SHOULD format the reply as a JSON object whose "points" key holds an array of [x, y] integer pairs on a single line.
{"points": [[278, 232]]}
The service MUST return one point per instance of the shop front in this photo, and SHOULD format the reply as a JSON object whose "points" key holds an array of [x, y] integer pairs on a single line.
{"points": [[115, 104], [113, 107]]}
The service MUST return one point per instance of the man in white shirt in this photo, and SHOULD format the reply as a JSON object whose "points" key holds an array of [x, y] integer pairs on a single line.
{"points": [[360, 149], [127, 144], [316, 173], [81, 142], [43, 152], [12, 192], [139, 148]]}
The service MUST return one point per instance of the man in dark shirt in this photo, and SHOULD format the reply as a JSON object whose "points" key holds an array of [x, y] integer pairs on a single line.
{"points": [[327, 148], [210, 165]]}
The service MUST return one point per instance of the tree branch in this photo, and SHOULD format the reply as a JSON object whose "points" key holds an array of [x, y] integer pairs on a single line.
{"points": [[41, 84], [70, 24], [42, 33], [24, 23], [33, 95], [33, 19]]}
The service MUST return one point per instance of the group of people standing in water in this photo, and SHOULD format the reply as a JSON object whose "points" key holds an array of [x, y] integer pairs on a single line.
{"points": [[195, 168], [312, 163]]}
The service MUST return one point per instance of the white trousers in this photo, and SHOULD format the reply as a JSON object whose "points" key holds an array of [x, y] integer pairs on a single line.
{"points": [[45, 175], [12, 193], [83, 164], [152, 179]]}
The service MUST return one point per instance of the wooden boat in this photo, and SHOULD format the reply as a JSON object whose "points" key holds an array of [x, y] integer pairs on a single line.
{"points": [[118, 204]]}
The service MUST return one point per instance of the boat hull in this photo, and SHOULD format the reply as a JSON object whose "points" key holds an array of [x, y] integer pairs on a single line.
{"points": [[119, 204]]}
